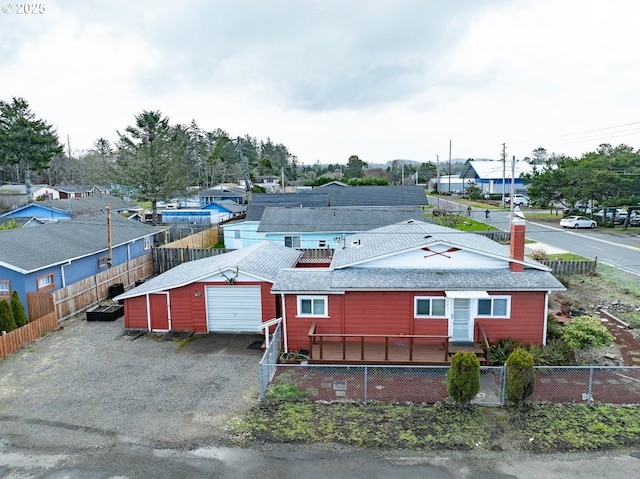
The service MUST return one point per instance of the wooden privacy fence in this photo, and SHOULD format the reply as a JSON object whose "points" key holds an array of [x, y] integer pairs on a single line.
{"points": [[201, 240], [88, 292], [13, 340], [570, 267], [166, 258]]}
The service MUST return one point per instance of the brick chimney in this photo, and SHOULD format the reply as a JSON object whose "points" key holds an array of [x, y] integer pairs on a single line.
{"points": [[517, 244]]}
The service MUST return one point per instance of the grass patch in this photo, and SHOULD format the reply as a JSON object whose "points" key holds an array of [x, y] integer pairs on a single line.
{"points": [[536, 428]]}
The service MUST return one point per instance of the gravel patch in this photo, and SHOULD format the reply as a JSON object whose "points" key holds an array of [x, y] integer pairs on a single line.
{"points": [[88, 386]]}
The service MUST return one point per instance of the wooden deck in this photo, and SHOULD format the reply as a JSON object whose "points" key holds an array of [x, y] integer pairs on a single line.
{"points": [[333, 352], [330, 348]]}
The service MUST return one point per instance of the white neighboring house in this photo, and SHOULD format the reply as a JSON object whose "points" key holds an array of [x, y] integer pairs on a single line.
{"points": [[448, 184]]}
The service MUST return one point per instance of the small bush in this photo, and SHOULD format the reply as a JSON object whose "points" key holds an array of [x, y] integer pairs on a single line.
{"points": [[463, 378], [586, 331], [555, 353], [284, 392], [7, 322], [17, 308], [539, 254], [520, 377], [502, 349], [554, 328]]}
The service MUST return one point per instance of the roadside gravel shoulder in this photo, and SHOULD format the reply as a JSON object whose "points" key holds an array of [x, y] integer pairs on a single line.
{"points": [[89, 386]]}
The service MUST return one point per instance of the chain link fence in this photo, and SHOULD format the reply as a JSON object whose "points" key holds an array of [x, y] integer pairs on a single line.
{"points": [[428, 384]]}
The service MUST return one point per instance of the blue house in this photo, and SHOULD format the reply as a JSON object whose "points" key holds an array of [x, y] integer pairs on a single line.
{"points": [[493, 176], [65, 209], [315, 228], [54, 255]]}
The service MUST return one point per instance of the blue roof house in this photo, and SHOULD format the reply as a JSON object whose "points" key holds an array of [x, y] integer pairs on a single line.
{"points": [[55, 255]]}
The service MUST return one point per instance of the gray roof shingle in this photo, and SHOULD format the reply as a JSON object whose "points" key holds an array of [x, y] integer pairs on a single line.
{"points": [[335, 218], [31, 249], [263, 260]]}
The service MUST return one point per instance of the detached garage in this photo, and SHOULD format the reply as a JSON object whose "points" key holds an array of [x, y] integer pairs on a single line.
{"points": [[226, 293]]}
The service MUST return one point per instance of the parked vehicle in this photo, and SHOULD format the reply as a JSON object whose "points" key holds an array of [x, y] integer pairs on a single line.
{"points": [[577, 222], [619, 215], [634, 218], [518, 200]]}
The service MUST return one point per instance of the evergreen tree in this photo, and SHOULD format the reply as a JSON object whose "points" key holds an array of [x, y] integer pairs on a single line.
{"points": [[26, 140], [463, 378], [7, 323], [17, 308]]}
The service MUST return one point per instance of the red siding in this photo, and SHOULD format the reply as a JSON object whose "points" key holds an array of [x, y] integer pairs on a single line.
{"points": [[391, 313], [135, 313], [188, 309], [526, 322]]}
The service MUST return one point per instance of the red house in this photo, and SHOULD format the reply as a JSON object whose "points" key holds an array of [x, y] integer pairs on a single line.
{"points": [[415, 288], [230, 292]]}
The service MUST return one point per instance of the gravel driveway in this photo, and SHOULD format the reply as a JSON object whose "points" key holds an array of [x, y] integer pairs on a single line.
{"points": [[89, 386]]}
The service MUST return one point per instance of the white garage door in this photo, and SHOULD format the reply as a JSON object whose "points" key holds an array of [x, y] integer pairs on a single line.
{"points": [[234, 309]]}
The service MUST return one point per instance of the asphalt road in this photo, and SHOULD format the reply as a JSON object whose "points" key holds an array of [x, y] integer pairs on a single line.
{"points": [[610, 247]]}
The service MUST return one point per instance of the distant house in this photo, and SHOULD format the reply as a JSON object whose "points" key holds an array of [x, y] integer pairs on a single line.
{"points": [[494, 177], [65, 209], [226, 293], [328, 196], [76, 191], [223, 192], [270, 183], [448, 184], [15, 195], [316, 227], [208, 215], [55, 255]]}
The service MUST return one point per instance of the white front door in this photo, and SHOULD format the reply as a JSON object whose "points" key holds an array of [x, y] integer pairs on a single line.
{"points": [[460, 323]]}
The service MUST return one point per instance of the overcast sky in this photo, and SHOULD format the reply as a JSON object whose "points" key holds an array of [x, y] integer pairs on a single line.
{"points": [[381, 79]]}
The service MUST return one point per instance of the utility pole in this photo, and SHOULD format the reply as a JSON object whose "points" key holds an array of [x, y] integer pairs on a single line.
{"points": [[504, 165], [449, 166], [511, 190], [110, 257]]}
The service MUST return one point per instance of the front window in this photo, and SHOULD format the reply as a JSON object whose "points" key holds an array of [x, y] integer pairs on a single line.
{"points": [[312, 306], [426, 307], [292, 241], [147, 242], [495, 307], [5, 288], [45, 282], [103, 262]]}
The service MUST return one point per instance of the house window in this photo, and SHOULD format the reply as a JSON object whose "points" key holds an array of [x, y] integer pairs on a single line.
{"points": [[322, 243], [495, 307], [5, 288], [292, 241], [312, 306], [430, 307], [236, 234], [103, 262], [147, 242], [45, 282]]}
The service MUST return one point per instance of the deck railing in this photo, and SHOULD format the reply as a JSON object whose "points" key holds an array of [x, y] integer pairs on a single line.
{"points": [[484, 341], [412, 340]]}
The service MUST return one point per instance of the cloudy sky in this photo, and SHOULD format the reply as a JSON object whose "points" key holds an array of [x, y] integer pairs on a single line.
{"points": [[381, 79]]}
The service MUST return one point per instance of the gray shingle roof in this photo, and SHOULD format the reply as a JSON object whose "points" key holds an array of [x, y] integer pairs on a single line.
{"points": [[353, 279], [409, 235], [88, 205], [335, 219], [347, 196], [31, 249], [263, 260]]}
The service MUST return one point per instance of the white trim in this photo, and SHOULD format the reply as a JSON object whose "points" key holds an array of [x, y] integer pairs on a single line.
{"points": [[283, 306], [493, 298], [467, 294], [430, 315], [300, 298]]}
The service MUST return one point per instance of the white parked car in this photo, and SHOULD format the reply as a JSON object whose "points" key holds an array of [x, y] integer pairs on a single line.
{"points": [[518, 200], [577, 222]]}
